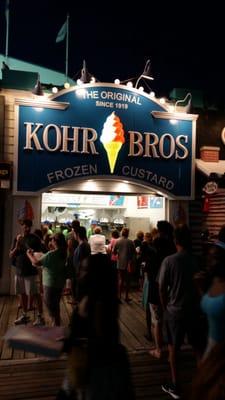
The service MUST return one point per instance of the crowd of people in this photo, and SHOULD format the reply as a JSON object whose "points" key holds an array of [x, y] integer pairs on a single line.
{"points": [[184, 297]]}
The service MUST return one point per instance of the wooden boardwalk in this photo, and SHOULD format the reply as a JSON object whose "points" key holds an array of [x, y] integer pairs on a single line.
{"points": [[26, 376]]}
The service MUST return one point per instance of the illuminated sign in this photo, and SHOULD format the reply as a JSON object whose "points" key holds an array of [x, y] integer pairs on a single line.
{"points": [[103, 130], [210, 187]]}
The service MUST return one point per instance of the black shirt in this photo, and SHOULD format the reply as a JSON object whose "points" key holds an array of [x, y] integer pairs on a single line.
{"points": [[22, 263]]}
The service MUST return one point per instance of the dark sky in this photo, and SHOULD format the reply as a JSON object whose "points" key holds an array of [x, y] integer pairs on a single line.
{"points": [[185, 43]]}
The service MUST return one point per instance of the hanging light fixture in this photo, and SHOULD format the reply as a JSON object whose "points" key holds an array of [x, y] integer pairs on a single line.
{"points": [[38, 90], [186, 107], [85, 75], [146, 74], [5, 66]]}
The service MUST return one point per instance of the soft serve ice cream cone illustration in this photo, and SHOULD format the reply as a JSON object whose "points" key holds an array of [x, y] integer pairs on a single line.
{"points": [[112, 138]]}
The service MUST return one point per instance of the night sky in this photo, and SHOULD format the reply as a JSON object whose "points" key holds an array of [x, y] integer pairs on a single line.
{"points": [[184, 43]]}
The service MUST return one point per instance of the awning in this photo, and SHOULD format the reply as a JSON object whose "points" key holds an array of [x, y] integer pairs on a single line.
{"points": [[211, 167]]}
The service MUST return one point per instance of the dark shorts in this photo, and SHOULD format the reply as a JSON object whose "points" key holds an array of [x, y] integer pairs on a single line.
{"points": [[175, 330]]}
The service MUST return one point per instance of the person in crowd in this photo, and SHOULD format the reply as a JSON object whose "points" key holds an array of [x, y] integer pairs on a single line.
{"points": [[138, 271], [164, 241], [209, 380], [209, 282], [43, 250], [26, 274], [47, 229], [46, 235], [125, 249], [111, 246], [91, 229], [98, 366], [50, 228], [72, 244], [179, 300], [112, 255], [38, 232], [54, 275], [154, 233], [213, 305], [221, 235], [80, 260], [66, 229], [97, 241], [148, 265], [164, 246]]}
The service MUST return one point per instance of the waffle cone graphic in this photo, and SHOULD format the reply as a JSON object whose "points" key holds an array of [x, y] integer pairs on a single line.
{"points": [[112, 150]]}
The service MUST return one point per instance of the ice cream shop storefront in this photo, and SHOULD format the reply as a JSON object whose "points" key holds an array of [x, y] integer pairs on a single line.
{"points": [[100, 139]]}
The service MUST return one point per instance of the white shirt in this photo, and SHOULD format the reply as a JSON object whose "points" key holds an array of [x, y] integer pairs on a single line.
{"points": [[97, 244]]}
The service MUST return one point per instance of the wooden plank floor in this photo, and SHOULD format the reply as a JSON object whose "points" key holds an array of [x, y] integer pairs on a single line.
{"points": [[132, 324], [40, 379], [26, 376]]}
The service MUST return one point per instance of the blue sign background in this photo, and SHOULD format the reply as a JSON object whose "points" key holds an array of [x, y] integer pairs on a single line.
{"points": [[34, 166]]}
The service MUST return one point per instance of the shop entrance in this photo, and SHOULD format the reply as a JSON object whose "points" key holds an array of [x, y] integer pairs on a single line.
{"points": [[110, 211]]}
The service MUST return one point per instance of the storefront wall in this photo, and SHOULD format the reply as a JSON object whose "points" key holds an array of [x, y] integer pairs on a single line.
{"points": [[14, 202]]}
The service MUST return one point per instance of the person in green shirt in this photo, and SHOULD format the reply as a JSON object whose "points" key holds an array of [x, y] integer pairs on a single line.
{"points": [[54, 274], [91, 229]]}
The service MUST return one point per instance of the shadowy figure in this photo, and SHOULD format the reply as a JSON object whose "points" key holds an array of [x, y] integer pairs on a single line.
{"points": [[164, 246], [98, 366], [209, 381], [179, 299]]}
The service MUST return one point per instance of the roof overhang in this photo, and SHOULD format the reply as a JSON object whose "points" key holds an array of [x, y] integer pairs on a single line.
{"points": [[211, 167]]}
